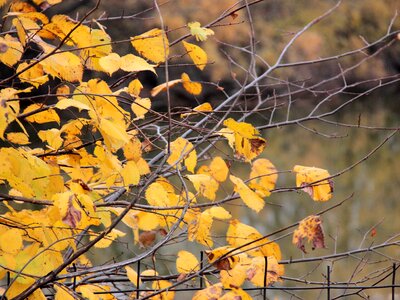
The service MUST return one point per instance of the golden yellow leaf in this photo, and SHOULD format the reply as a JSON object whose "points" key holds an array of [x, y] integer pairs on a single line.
{"points": [[235, 293], [225, 258], [132, 275], [202, 108], [200, 33], [219, 212], [63, 65], [211, 292], [18, 138], [309, 228], [62, 293], [182, 151], [110, 63], [3, 2], [130, 174], [256, 271], [186, 262], [156, 195], [148, 273], [164, 86], [11, 241], [191, 87], [91, 292], [115, 137], [205, 185], [34, 75], [140, 107], [152, 45], [199, 229], [135, 87], [9, 110], [246, 142], [10, 50], [164, 284], [250, 198], [133, 149], [218, 169], [52, 137], [198, 55], [263, 177], [306, 176], [66, 102], [239, 234], [106, 241], [133, 63], [42, 116]]}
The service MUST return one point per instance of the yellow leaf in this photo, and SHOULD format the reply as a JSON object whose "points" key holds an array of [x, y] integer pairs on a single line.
{"points": [[218, 169], [149, 273], [211, 292], [239, 234], [10, 50], [191, 87], [199, 229], [140, 107], [200, 33], [66, 102], [106, 241], [114, 136], [202, 108], [91, 292], [219, 212], [62, 293], [198, 55], [164, 284], [250, 198], [156, 195], [236, 293], [133, 149], [134, 87], [246, 142], [34, 75], [130, 174], [309, 228], [306, 176], [3, 2], [110, 63], [11, 241], [63, 65], [52, 137], [9, 110], [256, 271], [182, 151], [132, 275], [133, 63], [41, 117], [164, 86], [152, 45], [18, 138], [263, 177], [205, 185], [186, 262]]}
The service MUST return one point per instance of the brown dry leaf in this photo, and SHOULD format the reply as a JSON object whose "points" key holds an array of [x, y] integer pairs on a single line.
{"points": [[147, 238], [309, 228]]}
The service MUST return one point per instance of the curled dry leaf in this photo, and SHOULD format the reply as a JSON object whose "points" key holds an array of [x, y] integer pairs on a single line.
{"points": [[309, 228]]}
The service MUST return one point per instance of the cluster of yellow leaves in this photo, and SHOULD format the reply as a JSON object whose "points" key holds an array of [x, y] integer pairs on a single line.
{"points": [[243, 259]]}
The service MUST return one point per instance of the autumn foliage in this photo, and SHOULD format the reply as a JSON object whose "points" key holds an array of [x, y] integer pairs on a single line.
{"points": [[85, 160]]}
